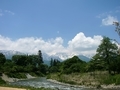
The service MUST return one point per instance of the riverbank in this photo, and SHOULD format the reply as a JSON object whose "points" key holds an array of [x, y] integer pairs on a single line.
{"points": [[86, 84], [83, 80], [112, 86]]}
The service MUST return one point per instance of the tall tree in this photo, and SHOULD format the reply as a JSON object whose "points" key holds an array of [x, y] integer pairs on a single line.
{"points": [[51, 62], [106, 51], [40, 57], [2, 60]]}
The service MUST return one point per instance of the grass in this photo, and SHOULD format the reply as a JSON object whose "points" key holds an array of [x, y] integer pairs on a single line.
{"points": [[111, 79], [96, 78], [74, 78]]}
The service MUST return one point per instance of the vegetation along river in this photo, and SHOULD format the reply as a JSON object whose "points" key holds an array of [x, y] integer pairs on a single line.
{"points": [[43, 82]]}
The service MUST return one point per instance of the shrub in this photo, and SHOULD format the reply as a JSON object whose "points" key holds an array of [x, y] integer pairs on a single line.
{"points": [[16, 75], [2, 81]]}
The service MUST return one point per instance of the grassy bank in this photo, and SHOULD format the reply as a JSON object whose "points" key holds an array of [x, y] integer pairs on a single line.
{"points": [[94, 79]]}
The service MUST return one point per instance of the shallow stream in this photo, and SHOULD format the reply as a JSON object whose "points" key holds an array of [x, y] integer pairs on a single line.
{"points": [[43, 82]]}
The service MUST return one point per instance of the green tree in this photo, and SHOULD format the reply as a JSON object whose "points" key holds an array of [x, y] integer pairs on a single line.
{"points": [[105, 52], [20, 60], [72, 65], [51, 62], [40, 57], [54, 66], [8, 66], [2, 60]]}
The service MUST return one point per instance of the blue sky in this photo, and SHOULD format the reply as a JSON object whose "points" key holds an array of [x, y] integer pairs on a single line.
{"points": [[61, 21]]}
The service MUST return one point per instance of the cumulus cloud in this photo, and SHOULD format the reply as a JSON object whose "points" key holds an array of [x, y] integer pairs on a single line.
{"points": [[109, 20], [80, 44], [32, 44]]}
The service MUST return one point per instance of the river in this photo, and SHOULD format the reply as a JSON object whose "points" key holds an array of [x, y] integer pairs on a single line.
{"points": [[43, 82]]}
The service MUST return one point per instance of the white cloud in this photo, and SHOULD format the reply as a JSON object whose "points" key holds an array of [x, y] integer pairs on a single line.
{"points": [[32, 44], [108, 20], [10, 12], [80, 44]]}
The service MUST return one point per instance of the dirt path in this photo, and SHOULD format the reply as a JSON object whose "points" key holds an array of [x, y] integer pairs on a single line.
{"points": [[9, 88]]}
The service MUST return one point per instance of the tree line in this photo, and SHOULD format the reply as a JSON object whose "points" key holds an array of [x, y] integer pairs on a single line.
{"points": [[106, 58]]}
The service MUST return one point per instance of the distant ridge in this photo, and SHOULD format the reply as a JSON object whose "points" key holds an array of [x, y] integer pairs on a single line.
{"points": [[9, 53], [84, 58]]}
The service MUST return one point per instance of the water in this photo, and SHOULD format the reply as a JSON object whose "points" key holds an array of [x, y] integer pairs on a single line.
{"points": [[43, 82]]}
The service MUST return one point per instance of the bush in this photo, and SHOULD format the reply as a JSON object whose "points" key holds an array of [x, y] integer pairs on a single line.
{"points": [[39, 74], [16, 75], [2, 81]]}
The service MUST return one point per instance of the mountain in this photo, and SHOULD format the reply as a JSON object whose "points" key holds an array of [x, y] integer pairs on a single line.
{"points": [[9, 53], [65, 56], [47, 57], [59, 56], [84, 58]]}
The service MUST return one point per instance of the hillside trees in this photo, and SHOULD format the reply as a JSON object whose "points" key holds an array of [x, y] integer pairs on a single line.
{"points": [[72, 65], [23, 64], [54, 66]]}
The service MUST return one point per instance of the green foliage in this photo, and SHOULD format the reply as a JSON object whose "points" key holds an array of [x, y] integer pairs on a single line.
{"points": [[54, 66], [2, 81], [72, 65], [19, 60], [2, 61], [105, 56], [112, 79], [16, 75], [43, 68], [23, 64]]}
